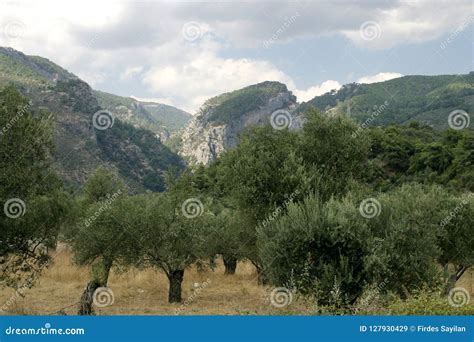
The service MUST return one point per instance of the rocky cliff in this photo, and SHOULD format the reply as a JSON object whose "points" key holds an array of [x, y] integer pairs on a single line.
{"points": [[221, 119], [82, 142]]}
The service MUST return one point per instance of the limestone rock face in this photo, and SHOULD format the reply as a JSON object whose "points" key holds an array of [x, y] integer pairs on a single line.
{"points": [[221, 120]]}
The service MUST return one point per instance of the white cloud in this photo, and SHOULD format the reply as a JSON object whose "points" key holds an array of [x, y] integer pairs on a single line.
{"points": [[205, 75], [308, 94], [380, 77], [123, 41], [131, 72]]}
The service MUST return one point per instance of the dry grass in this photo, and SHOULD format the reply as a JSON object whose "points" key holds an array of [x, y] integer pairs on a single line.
{"points": [[144, 292]]}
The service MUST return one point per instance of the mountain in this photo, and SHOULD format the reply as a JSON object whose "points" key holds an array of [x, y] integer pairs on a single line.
{"points": [[426, 99], [159, 118], [136, 154], [221, 119]]}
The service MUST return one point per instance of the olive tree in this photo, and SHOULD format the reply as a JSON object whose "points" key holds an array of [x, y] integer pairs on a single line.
{"points": [[34, 206], [332, 154], [105, 230], [338, 244], [173, 233], [228, 231], [317, 247], [258, 175], [456, 238]]}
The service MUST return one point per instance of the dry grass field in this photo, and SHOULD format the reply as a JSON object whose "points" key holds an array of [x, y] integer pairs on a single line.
{"points": [[144, 292]]}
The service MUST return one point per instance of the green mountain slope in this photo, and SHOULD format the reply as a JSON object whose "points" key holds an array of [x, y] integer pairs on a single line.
{"points": [[228, 107], [426, 99], [135, 153], [159, 118]]}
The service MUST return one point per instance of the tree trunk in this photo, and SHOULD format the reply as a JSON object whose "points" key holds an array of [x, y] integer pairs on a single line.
{"points": [[175, 278], [100, 276], [85, 305], [453, 278], [230, 265]]}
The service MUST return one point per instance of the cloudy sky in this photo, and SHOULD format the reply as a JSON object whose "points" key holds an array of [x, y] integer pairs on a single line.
{"points": [[182, 53]]}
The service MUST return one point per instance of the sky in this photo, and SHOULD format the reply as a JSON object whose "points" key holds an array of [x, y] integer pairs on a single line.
{"points": [[184, 52]]}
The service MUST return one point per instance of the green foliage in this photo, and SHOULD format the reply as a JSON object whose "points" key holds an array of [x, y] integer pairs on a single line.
{"points": [[418, 153], [39, 205], [170, 240], [426, 99], [456, 238], [114, 143], [228, 107], [101, 185], [329, 248], [262, 171], [425, 302], [330, 153], [106, 230], [157, 117]]}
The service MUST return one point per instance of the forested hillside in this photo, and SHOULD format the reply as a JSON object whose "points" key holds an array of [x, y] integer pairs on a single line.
{"points": [[425, 99], [80, 146]]}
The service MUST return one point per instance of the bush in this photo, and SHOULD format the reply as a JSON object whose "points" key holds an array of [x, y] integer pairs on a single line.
{"points": [[331, 251]]}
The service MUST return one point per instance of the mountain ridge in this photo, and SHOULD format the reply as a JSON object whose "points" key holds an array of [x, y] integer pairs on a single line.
{"points": [[136, 154]]}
